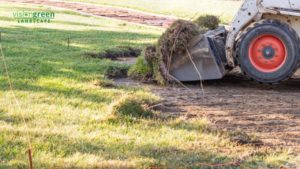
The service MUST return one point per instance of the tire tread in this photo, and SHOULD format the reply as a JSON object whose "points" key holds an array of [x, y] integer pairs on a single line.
{"points": [[267, 21]]}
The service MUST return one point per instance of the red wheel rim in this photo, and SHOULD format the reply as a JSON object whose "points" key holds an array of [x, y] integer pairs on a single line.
{"points": [[267, 53]]}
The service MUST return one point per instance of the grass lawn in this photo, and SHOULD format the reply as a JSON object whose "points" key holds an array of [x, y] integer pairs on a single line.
{"points": [[65, 108], [187, 9]]}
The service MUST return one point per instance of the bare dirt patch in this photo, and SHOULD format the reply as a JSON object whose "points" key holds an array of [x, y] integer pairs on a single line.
{"points": [[106, 11], [236, 103]]}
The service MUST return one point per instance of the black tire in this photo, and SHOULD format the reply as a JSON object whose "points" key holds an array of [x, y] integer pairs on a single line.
{"points": [[279, 56]]}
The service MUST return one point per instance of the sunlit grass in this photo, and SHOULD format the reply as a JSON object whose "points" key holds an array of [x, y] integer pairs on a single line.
{"points": [[187, 9], [64, 107]]}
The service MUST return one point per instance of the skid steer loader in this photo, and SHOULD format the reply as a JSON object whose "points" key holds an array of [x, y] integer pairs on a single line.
{"points": [[263, 40]]}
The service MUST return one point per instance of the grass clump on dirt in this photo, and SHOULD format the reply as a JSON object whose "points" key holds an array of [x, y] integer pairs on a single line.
{"points": [[157, 66], [116, 71], [174, 41], [208, 21], [242, 138], [176, 38], [117, 52], [172, 44], [148, 67], [140, 70], [134, 105], [105, 83]]}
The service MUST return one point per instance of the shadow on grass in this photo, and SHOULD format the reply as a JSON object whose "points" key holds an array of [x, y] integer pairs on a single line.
{"points": [[35, 53], [64, 146], [12, 119]]}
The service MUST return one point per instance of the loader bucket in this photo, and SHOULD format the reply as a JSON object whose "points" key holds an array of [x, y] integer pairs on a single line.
{"points": [[204, 60]]}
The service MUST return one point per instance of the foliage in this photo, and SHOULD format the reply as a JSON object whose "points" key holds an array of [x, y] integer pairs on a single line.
{"points": [[140, 70], [208, 21]]}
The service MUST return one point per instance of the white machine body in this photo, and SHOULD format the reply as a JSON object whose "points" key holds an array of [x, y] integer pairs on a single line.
{"points": [[287, 11], [262, 40]]}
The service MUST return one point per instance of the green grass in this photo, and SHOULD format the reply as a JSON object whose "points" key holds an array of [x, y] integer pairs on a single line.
{"points": [[65, 108], [187, 9]]}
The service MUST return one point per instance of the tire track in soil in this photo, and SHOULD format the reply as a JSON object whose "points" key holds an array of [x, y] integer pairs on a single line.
{"points": [[106, 11], [236, 103]]}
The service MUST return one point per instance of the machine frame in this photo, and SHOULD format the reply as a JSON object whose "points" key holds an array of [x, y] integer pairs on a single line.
{"points": [[287, 11]]}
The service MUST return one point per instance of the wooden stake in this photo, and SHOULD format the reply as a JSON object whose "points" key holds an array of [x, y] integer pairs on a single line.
{"points": [[30, 158], [68, 42]]}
